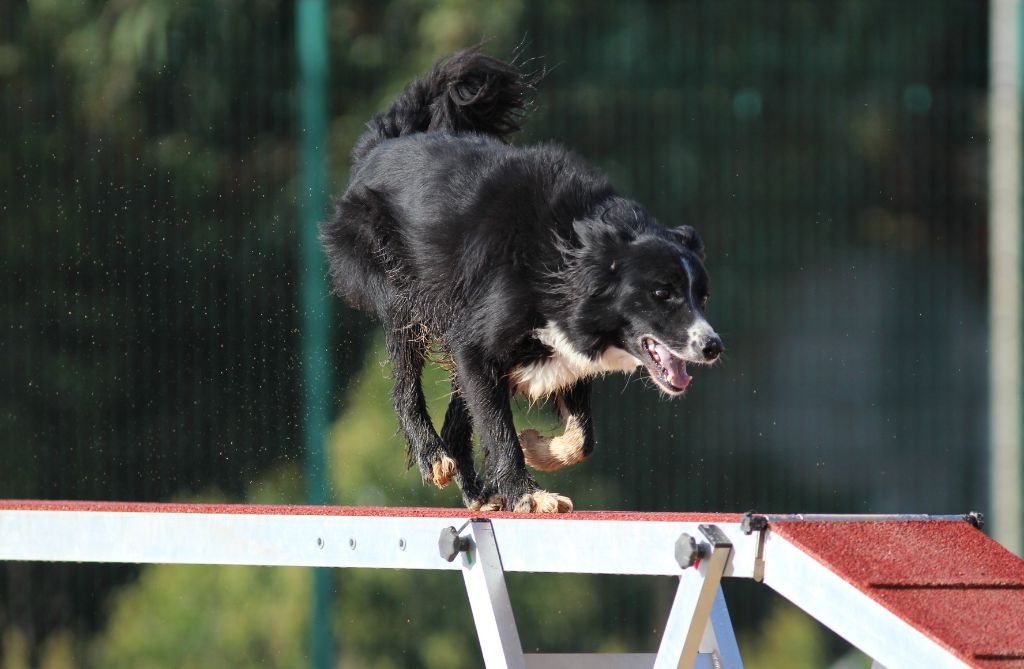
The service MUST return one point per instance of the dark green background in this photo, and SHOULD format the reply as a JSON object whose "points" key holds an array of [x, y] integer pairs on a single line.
{"points": [[832, 154]]}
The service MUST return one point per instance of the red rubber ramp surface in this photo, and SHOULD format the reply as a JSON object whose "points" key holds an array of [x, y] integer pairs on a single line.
{"points": [[945, 578], [358, 511]]}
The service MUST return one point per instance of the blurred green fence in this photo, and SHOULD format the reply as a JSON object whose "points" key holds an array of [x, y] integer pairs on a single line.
{"points": [[831, 154], [833, 157]]}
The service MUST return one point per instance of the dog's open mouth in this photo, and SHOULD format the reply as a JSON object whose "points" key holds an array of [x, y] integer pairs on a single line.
{"points": [[668, 369]]}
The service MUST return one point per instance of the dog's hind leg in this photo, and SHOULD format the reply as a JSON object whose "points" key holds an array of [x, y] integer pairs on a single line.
{"points": [[577, 439], [426, 449], [457, 435]]}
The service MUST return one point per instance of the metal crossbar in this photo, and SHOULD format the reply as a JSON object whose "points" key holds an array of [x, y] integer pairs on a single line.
{"points": [[698, 549], [697, 621]]}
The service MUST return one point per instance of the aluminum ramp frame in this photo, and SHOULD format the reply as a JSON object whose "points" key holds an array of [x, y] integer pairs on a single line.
{"points": [[698, 632], [833, 567]]}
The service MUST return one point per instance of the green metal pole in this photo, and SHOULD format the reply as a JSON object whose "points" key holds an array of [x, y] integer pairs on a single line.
{"points": [[311, 41]]}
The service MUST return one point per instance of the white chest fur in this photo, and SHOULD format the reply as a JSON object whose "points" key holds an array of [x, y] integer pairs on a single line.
{"points": [[566, 365]]}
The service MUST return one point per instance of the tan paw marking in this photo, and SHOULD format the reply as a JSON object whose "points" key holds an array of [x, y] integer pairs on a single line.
{"points": [[549, 453], [444, 471], [494, 503], [544, 502]]}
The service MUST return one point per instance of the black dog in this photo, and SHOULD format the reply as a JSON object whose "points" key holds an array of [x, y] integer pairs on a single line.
{"points": [[522, 265]]}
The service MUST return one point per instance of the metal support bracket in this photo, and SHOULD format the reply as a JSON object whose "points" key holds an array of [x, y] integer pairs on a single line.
{"points": [[753, 523], [488, 599], [699, 623], [698, 633]]}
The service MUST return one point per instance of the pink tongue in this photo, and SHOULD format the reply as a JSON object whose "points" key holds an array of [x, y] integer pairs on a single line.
{"points": [[675, 367]]}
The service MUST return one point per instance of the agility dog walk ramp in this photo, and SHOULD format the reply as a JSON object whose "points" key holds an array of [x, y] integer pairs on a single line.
{"points": [[909, 591]]}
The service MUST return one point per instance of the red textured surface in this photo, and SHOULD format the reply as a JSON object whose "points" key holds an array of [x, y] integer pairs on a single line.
{"points": [[379, 511], [945, 578]]}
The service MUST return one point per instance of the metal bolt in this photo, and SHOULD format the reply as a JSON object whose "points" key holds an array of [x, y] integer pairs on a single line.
{"points": [[352, 543], [450, 544], [751, 523], [688, 551]]}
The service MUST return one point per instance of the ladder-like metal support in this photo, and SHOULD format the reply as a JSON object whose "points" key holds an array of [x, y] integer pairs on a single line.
{"points": [[796, 556], [698, 632]]}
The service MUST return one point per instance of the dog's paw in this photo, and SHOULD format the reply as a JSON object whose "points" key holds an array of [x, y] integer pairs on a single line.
{"points": [[550, 453], [492, 503], [543, 501], [443, 471]]}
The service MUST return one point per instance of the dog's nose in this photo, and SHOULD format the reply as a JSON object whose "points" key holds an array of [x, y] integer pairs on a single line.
{"points": [[712, 348]]}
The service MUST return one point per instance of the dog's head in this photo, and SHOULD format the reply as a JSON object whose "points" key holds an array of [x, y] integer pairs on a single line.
{"points": [[645, 288]]}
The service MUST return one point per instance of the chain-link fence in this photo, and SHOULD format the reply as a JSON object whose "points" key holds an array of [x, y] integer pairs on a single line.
{"points": [[831, 154]]}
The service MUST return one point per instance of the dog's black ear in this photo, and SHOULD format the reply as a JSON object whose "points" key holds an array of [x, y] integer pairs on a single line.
{"points": [[590, 259], [690, 239], [597, 234]]}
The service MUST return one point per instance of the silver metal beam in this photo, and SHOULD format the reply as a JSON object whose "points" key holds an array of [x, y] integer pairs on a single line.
{"points": [[590, 660], [860, 517], [1005, 294], [606, 661], [532, 545]]}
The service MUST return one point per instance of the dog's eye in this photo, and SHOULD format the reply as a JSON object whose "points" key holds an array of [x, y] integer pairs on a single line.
{"points": [[662, 294], [704, 302]]}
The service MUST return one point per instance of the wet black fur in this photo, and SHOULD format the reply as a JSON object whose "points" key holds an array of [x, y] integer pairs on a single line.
{"points": [[454, 238]]}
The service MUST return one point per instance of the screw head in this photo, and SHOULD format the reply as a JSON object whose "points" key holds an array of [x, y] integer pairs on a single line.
{"points": [[688, 551], [450, 544], [751, 523]]}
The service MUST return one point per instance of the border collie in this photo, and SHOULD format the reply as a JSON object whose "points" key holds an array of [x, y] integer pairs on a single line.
{"points": [[522, 266]]}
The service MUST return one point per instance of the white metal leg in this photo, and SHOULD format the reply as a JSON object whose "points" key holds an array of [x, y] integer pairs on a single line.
{"points": [[699, 630], [698, 633], [719, 635], [684, 607], [590, 660], [488, 598]]}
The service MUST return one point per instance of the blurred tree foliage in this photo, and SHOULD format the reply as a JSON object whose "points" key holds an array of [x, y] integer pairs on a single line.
{"points": [[831, 153]]}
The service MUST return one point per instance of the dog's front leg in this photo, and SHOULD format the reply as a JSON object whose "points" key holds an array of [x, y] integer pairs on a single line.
{"points": [[509, 487], [577, 439], [457, 434]]}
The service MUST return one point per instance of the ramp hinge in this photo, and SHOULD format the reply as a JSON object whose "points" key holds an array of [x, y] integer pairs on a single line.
{"points": [[751, 523]]}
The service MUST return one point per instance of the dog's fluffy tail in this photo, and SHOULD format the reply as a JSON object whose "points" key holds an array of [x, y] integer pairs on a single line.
{"points": [[466, 92]]}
